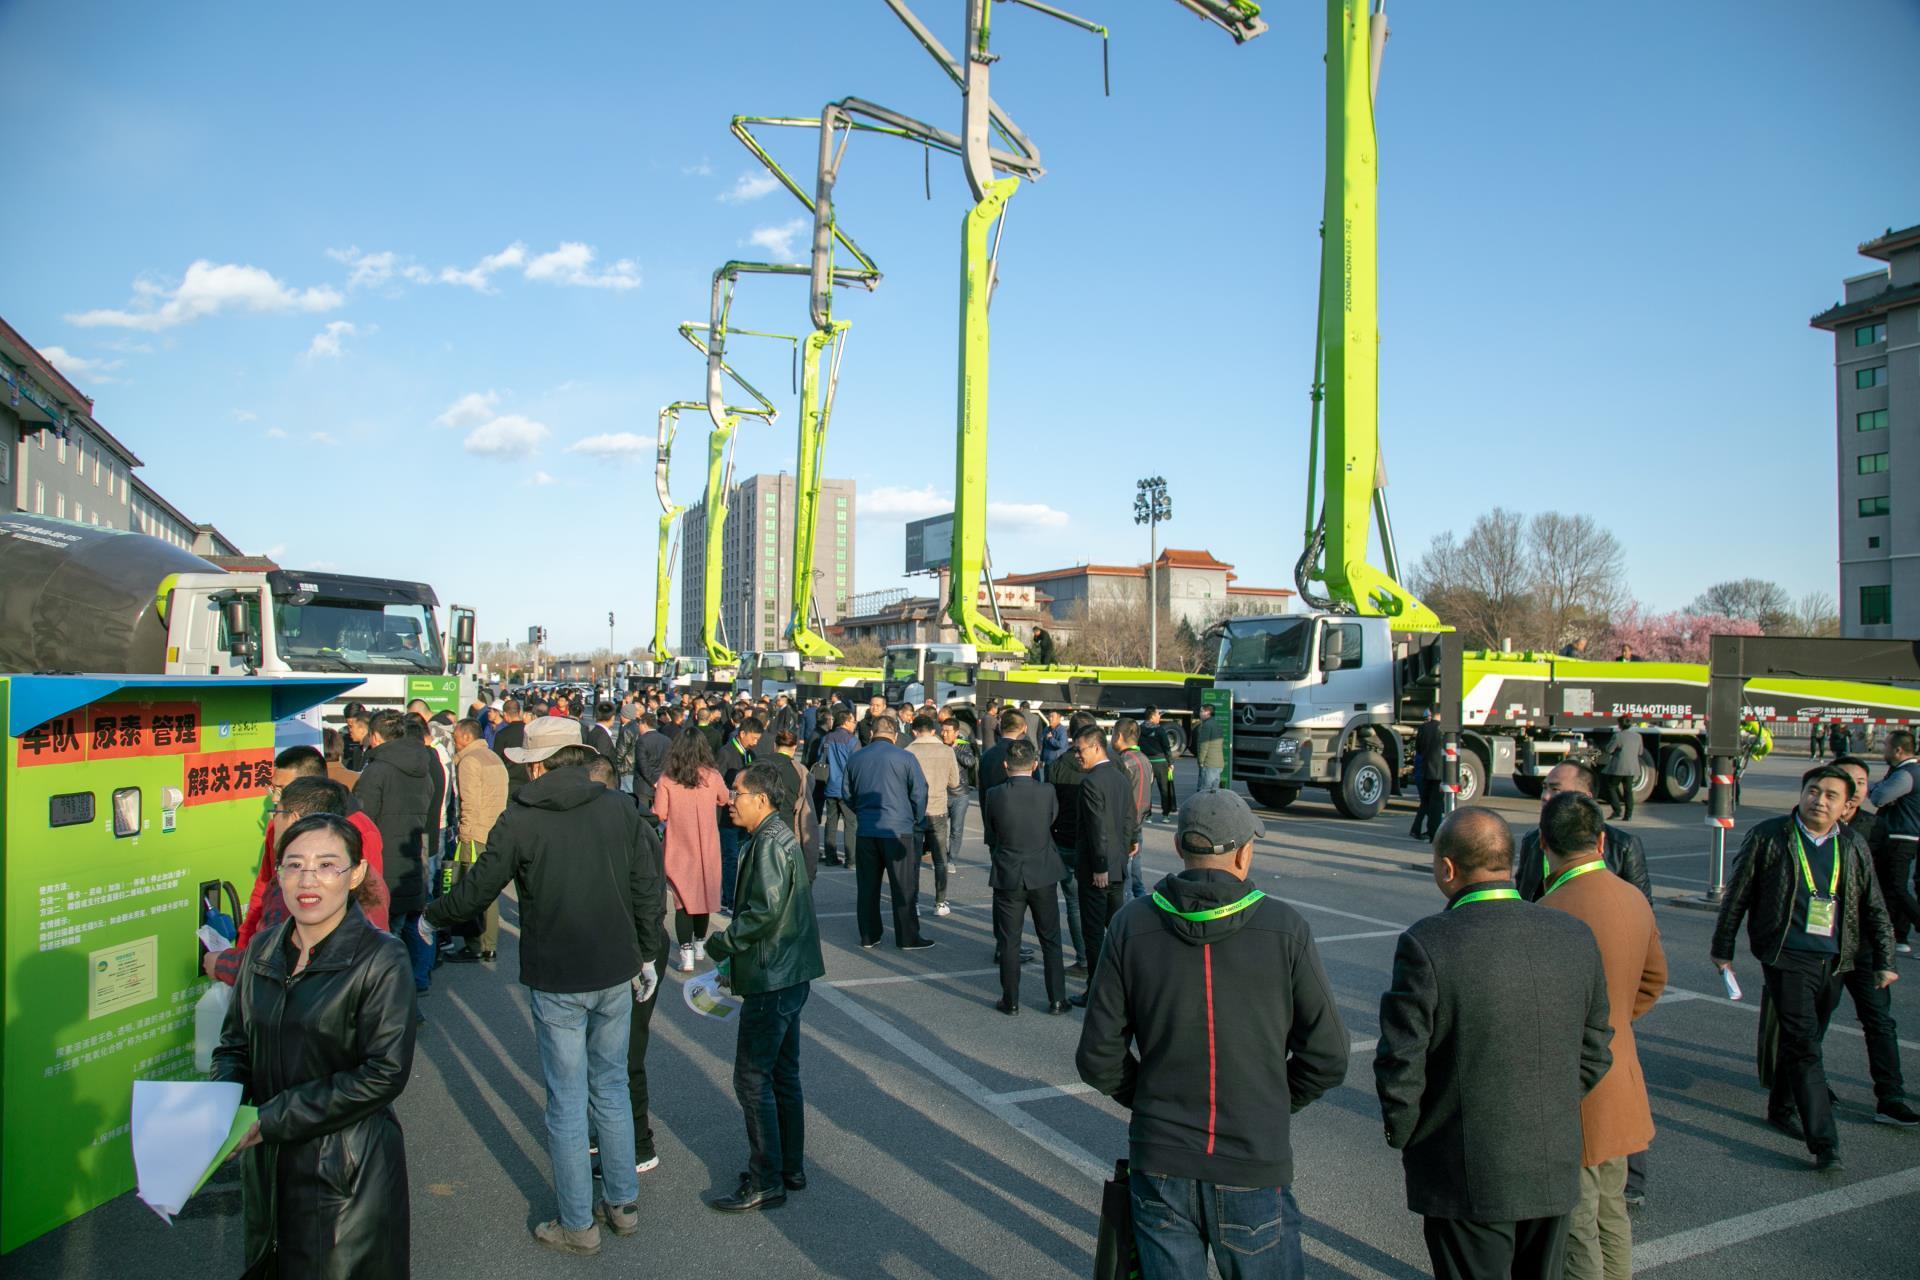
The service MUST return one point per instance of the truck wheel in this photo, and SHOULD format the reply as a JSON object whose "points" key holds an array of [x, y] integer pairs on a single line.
{"points": [[1176, 736], [1473, 777], [1273, 795], [1529, 786], [1643, 784], [1363, 787], [1679, 774]]}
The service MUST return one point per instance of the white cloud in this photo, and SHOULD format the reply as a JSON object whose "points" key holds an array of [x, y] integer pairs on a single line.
{"points": [[327, 341], [476, 277], [509, 436], [206, 289], [891, 502], [322, 437], [275, 433], [778, 241], [371, 270], [1025, 515], [73, 366], [245, 415], [704, 169], [469, 410], [617, 444], [749, 186], [541, 478], [275, 551], [572, 263]]}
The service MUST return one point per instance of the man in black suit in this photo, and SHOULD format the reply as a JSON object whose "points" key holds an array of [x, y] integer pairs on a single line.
{"points": [[1430, 753], [993, 762], [1620, 849], [1494, 1029], [1105, 841], [1026, 874], [600, 736]]}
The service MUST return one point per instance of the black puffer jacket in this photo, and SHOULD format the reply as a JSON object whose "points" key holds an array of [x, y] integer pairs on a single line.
{"points": [[323, 1054], [1761, 887], [396, 790], [1622, 854]]}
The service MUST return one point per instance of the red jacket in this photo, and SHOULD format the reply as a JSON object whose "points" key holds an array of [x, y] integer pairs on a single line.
{"points": [[268, 906]]}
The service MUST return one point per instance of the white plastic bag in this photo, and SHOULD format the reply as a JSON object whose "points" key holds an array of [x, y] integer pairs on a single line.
{"points": [[209, 1015]]}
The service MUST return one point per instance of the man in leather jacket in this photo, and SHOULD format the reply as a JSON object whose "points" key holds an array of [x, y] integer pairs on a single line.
{"points": [[1813, 912], [1621, 850], [769, 955]]}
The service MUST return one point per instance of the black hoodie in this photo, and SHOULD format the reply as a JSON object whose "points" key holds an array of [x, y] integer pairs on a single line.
{"points": [[1233, 1027], [590, 878], [396, 791]]}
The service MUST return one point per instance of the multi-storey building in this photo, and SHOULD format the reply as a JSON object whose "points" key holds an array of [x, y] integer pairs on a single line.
{"points": [[756, 573], [1876, 363]]}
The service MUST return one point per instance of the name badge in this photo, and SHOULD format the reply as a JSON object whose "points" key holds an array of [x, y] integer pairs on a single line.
{"points": [[1819, 917]]}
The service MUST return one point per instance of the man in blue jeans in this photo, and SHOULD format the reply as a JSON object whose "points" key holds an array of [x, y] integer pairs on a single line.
{"points": [[1210, 1018], [770, 955], [591, 885]]}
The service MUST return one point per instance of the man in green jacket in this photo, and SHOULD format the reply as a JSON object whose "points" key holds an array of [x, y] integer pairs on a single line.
{"points": [[769, 955]]}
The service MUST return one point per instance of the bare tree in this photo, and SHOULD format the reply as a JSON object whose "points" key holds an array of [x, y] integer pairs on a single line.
{"points": [[1578, 572], [1755, 599], [1483, 585], [862, 653], [1816, 615]]}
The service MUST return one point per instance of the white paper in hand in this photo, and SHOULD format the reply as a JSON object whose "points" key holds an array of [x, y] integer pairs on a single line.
{"points": [[179, 1126], [704, 997]]}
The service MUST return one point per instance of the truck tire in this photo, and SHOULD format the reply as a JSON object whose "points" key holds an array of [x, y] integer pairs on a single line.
{"points": [[1473, 777], [1176, 736], [1273, 795], [1529, 786], [1363, 786], [1644, 784], [1679, 774]]}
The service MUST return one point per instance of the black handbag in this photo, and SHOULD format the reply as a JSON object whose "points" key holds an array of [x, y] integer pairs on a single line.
{"points": [[1114, 1254]]}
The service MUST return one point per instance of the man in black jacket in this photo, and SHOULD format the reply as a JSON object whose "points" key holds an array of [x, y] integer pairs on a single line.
{"points": [[1234, 1029], [1106, 839], [1813, 911], [1026, 873], [1064, 776], [1494, 1028], [1430, 753], [732, 760], [1620, 849], [396, 790], [1156, 744], [512, 734], [993, 761], [591, 882]]}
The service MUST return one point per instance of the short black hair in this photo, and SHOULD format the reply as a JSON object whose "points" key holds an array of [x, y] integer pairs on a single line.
{"points": [[1820, 771], [601, 770], [924, 723], [1012, 722], [1021, 755], [333, 822], [1127, 729], [603, 709], [1856, 762], [574, 755], [752, 724], [389, 724], [306, 796], [1477, 839], [1901, 740], [1571, 824], [1589, 780], [1089, 732], [883, 726], [776, 782], [469, 727], [302, 762]]}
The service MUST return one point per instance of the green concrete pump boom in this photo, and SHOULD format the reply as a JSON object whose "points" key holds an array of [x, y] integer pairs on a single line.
{"points": [[1347, 347], [669, 513]]}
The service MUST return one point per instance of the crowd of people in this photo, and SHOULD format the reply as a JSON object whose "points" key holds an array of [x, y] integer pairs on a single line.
{"points": [[666, 830]]}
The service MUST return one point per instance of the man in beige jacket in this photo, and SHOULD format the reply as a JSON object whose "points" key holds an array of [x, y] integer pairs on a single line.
{"points": [[942, 768], [1615, 1118], [480, 786]]}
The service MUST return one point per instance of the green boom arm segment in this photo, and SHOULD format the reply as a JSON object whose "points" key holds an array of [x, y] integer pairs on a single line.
{"points": [[669, 512], [816, 406]]}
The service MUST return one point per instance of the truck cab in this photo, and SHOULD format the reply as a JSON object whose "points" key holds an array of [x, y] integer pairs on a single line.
{"points": [[947, 672]]}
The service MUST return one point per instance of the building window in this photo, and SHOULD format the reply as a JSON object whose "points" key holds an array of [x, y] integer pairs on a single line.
{"points": [[1874, 377], [1875, 506], [1868, 334], [60, 449], [1873, 543], [1872, 464], [840, 502], [96, 468], [79, 514], [1874, 420], [43, 437], [60, 505], [39, 497], [1876, 606]]}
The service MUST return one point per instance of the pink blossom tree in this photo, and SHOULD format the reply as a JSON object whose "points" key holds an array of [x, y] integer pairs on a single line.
{"points": [[1668, 637]]}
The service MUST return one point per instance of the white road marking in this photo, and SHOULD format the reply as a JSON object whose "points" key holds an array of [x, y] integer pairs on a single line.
{"points": [[910, 977], [1753, 1006], [940, 1068], [1042, 1093], [1350, 937], [1682, 1245], [1347, 915]]}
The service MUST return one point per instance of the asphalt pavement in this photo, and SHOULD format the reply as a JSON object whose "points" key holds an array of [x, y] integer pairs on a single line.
{"points": [[947, 1140]]}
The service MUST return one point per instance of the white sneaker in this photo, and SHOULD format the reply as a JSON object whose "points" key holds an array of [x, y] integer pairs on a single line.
{"points": [[699, 948], [647, 1166], [686, 957], [943, 910], [1903, 948]]}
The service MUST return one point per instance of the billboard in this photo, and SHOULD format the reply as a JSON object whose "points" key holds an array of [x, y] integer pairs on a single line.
{"points": [[929, 543]]}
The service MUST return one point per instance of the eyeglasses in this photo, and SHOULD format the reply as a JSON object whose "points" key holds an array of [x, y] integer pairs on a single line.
{"points": [[325, 874]]}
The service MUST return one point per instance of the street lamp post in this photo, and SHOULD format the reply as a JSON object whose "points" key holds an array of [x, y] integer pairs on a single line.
{"points": [[1150, 506]]}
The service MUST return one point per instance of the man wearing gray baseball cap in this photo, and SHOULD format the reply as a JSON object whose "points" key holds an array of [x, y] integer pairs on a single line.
{"points": [[1233, 1029]]}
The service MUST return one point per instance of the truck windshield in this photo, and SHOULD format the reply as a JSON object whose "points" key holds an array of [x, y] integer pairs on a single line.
{"points": [[902, 664], [332, 635], [1264, 649]]}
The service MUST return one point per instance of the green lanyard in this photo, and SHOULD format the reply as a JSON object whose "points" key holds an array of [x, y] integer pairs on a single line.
{"points": [[1485, 895], [1571, 872], [1833, 890], [1214, 913]]}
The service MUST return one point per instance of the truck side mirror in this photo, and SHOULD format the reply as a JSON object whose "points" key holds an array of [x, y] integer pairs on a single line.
{"points": [[239, 637], [463, 633], [1332, 655]]}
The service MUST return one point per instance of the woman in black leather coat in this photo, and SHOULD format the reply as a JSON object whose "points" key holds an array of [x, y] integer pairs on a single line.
{"points": [[320, 1033]]}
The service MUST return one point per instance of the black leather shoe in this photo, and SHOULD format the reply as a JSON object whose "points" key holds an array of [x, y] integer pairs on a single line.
{"points": [[1787, 1124], [1011, 1010], [1079, 1001], [1059, 1006], [1828, 1162], [1026, 955], [748, 1197], [921, 945], [794, 1181]]}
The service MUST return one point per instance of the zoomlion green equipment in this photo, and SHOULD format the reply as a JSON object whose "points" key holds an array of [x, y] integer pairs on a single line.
{"points": [[670, 513], [130, 808]]}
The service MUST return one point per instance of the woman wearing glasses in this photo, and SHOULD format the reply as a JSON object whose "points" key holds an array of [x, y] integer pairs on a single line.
{"points": [[320, 1034]]}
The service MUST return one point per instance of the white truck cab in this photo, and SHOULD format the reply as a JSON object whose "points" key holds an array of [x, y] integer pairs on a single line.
{"points": [[946, 671]]}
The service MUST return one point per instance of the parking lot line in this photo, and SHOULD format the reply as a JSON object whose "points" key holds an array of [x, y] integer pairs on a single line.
{"points": [[1682, 1245], [910, 977]]}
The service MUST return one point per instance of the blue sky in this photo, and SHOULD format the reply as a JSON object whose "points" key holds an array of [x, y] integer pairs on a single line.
{"points": [[439, 245]]}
